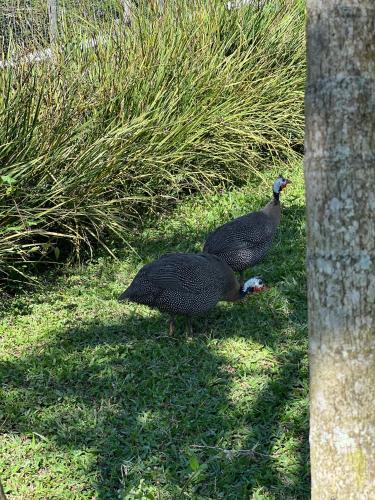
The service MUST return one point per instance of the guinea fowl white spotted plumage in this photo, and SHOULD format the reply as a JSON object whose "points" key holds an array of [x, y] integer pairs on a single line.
{"points": [[244, 241], [188, 284]]}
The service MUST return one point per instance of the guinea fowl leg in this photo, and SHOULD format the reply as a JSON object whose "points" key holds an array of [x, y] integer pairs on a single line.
{"points": [[189, 327], [171, 326], [242, 277]]}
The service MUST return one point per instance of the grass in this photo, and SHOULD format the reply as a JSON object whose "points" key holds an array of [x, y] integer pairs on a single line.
{"points": [[97, 402], [95, 140]]}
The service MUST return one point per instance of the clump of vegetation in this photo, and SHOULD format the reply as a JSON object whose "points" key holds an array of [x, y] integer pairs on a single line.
{"points": [[97, 137]]}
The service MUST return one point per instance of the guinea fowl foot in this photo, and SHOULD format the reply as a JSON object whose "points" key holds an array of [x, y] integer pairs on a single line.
{"points": [[171, 326]]}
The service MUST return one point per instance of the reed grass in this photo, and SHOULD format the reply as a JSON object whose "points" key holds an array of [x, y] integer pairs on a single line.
{"points": [[97, 138]]}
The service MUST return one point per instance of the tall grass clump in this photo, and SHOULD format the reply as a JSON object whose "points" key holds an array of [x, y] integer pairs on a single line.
{"points": [[180, 101]]}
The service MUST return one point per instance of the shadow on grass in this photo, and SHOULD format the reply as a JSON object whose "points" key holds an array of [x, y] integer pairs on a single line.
{"points": [[143, 404]]}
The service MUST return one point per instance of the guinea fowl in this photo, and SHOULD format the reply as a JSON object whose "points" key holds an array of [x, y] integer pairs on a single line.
{"points": [[244, 241], [188, 284]]}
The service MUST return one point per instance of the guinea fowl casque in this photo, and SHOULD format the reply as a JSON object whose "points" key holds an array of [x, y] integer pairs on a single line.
{"points": [[244, 241], [188, 284]]}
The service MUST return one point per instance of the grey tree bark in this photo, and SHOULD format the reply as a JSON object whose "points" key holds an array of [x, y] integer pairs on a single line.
{"points": [[340, 198]]}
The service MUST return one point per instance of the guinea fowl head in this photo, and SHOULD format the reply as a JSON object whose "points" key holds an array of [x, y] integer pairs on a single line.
{"points": [[279, 184], [253, 285]]}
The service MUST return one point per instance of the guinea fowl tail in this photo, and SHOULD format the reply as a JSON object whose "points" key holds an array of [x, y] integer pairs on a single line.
{"points": [[124, 296], [140, 293]]}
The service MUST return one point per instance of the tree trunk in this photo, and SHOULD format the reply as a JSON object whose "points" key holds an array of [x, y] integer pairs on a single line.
{"points": [[340, 198]]}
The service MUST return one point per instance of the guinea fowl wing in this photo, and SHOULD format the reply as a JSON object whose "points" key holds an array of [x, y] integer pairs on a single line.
{"points": [[255, 230], [242, 242], [179, 283], [188, 273], [191, 284]]}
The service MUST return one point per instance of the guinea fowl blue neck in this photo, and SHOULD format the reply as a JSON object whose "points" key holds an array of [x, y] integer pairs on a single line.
{"points": [[279, 184]]}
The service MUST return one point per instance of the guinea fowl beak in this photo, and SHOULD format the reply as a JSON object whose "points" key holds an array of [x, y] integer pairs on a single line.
{"points": [[284, 184]]}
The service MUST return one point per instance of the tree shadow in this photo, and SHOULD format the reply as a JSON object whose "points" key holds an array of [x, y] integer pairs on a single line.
{"points": [[141, 402]]}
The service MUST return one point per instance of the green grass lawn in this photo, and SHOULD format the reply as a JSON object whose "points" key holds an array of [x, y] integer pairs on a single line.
{"points": [[98, 402]]}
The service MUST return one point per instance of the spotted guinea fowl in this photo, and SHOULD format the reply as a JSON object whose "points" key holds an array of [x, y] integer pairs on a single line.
{"points": [[188, 284], [244, 241]]}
